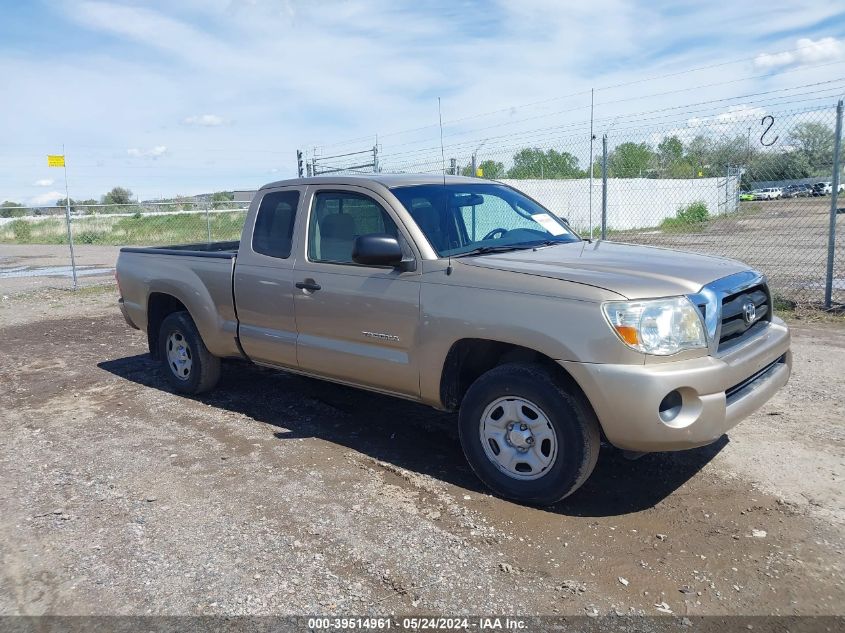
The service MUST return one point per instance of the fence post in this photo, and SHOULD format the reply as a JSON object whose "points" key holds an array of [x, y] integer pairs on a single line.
{"points": [[834, 199], [68, 221], [208, 221], [727, 180], [604, 187]]}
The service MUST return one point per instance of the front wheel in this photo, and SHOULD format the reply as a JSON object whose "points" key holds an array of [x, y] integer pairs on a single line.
{"points": [[527, 435], [188, 365]]}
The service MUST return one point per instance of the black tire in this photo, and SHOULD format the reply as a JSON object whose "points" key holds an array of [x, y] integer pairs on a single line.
{"points": [[203, 371], [573, 423]]}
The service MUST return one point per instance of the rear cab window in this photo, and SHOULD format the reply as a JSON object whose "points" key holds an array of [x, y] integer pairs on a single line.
{"points": [[273, 232]]}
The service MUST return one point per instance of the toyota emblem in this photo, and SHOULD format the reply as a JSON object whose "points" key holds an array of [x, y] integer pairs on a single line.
{"points": [[749, 312]]}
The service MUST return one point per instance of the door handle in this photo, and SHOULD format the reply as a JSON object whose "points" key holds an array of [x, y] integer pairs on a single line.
{"points": [[308, 285]]}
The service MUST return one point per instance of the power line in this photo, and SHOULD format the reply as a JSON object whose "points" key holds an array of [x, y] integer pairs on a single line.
{"points": [[600, 88], [584, 107], [409, 163], [659, 110]]}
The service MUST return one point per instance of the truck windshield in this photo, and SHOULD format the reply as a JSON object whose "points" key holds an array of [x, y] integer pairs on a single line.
{"points": [[480, 218]]}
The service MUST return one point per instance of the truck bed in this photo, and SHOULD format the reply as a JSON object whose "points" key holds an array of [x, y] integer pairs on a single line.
{"points": [[199, 276], [221, 250]]}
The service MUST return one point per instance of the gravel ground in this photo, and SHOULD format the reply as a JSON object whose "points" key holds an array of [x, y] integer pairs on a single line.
{"points": [[277, 494]]}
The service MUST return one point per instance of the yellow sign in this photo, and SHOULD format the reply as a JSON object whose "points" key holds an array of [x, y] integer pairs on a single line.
{"points": [[55, 160], [479, 172]]}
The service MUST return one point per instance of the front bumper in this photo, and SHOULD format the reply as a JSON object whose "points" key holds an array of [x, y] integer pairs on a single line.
{"points": [[626, 398]]}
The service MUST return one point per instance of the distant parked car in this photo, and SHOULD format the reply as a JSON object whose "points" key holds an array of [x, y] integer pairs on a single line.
{"points": [[768, 193], [797, 191], [822, 189], [746, 196]]}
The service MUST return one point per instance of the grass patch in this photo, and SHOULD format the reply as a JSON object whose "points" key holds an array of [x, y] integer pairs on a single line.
{"points": [[135, 230], [691, 218]]}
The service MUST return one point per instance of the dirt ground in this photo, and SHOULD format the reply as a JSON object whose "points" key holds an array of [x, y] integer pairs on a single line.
{"points": [[283, 495]]}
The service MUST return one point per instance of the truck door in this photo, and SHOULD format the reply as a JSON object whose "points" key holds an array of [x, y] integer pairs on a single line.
{"points": [[356, 323], [264, 279]]}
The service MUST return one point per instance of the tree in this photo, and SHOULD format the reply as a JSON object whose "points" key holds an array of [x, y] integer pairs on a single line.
{"points": [[778, 166], [8, 210], [62, 202], [815, 142], [673, 163], [535, 163], [489, 169], [670, 149], [88, 206], [118, 195], [630, 160], [698, 154], [728, 152], [221, 199]]}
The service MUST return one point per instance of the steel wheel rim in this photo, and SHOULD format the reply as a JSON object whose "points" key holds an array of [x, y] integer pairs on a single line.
{"points": [[518, 438], [179, 357]]}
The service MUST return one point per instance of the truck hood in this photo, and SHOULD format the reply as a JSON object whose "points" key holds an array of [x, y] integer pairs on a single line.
{"points": [[635, 272]]}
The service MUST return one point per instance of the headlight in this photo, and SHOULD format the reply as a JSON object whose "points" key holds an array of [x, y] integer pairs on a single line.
{"points": [[657, 326]]}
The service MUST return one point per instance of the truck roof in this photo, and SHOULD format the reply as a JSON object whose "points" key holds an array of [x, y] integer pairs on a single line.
{"points": [[387, 180]]}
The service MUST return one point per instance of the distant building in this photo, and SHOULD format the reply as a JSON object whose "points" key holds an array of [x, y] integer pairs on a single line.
{"points": [[243, 196]]}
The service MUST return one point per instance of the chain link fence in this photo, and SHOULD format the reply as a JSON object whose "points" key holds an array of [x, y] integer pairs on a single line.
{"points": [[756, 185], [747, 184], [133, 224]]}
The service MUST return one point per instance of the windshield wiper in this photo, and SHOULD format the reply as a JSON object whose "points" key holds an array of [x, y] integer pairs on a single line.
{"points": [[484, 250]]}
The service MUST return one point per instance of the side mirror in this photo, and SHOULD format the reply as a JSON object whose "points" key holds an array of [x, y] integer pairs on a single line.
{"points": [[377, 249]]}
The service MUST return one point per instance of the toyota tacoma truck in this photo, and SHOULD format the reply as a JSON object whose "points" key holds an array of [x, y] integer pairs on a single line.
{"points": [[469, 296]]}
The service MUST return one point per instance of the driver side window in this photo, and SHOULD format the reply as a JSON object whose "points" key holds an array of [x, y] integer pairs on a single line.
{"points": [[337, 218]]}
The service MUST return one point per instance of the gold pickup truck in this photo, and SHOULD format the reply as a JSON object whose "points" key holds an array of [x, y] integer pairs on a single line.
{"points": [[469, 296]]}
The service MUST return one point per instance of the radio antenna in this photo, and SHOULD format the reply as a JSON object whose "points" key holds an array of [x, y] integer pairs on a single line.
{"points": [[443, 167]]}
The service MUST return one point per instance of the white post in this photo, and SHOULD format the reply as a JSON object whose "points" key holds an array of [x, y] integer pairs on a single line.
{"points": [[67, 220]]}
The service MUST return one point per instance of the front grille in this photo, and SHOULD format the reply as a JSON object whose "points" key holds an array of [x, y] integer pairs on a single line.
{"points": [[735, 322]]}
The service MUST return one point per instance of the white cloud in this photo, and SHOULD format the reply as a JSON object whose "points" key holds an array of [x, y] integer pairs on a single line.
{"points": [[807, 51], [44, 182], [153, 152], [45, 199], [209, 63], [740, 113], [205, 120]]}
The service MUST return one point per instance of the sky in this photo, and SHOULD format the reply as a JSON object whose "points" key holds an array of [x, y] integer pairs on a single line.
{"points": [[184, 97]]}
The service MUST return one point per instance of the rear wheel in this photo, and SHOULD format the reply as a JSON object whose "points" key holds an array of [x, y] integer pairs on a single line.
{"points": [[188, 365], [527, 435]]}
